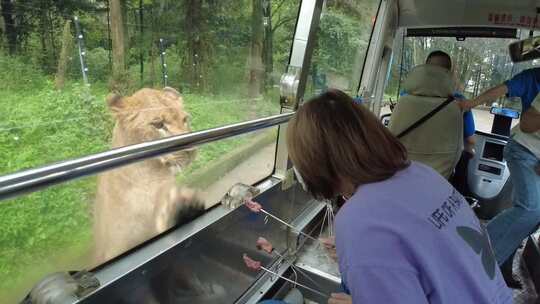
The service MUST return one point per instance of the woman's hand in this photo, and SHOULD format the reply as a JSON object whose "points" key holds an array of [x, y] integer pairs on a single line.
{"points": [[330, 246], [340, 298]]}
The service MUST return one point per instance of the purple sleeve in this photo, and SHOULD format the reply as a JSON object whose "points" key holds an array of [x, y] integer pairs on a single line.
{"points": [[379, 284]]}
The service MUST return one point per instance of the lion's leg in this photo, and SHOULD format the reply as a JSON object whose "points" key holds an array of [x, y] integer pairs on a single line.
{"points": [[180, 206]]}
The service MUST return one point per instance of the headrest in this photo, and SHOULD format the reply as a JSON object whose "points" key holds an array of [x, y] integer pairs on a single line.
{"points": [[429, 80]]}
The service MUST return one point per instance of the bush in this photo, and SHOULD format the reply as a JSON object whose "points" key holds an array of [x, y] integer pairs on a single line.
{"points": [[18, 75], [97, 62], [98, 65]]}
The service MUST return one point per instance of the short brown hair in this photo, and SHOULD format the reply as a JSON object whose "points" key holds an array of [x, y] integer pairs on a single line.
{"points": [[440, 58], [333, 139]]}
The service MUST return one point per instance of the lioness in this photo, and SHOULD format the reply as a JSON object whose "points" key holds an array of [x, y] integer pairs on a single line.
{"points": [[136, 202]]}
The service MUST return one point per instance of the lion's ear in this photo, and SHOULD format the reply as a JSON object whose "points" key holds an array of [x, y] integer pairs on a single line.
{"points": [[171, 91], [114, 101]]}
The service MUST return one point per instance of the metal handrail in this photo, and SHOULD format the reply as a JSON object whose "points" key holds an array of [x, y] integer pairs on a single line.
{"points": [[35, 179]]}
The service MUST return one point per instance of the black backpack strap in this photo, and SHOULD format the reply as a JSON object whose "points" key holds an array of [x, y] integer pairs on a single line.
{"points": [[426, 117]]}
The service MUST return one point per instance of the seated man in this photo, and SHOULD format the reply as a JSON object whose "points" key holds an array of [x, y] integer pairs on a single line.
{"points": [[442, 59], [438, 142]]}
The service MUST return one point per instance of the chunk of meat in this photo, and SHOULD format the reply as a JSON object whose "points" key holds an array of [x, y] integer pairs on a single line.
{"points": [[253, 206], [264, 244], [251, 263]]}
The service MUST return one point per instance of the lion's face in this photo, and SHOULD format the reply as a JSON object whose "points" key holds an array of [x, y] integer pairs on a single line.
{"points": [[152, 114]]}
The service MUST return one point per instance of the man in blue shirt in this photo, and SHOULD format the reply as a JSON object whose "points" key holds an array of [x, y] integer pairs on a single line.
{"points": [[525, 85], [522, 154]]}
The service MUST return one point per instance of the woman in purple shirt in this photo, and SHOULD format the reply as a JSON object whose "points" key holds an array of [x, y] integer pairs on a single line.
{"points": [[404, 235]]}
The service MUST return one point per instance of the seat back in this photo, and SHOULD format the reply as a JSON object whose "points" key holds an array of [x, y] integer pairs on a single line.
{"points": [[438, 142]]}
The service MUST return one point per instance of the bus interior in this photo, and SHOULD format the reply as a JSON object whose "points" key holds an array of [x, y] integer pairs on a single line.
{"points": [[201, 261]]}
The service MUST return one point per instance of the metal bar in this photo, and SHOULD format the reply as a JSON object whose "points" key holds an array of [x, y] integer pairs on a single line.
{"points": [[295, 283], [302, 47], [163, 63], [82, 52], [289, 225], [305, 42], [109, 41], [141, 39], [374, 52], [34, 179]]}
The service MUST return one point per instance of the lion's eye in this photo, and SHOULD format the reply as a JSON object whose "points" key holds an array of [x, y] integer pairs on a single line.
{"points": [[158, 124]]}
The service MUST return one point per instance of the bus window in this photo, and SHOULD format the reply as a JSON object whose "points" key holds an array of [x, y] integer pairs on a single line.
{"points": [[342, 42], [222, 62], [478, 64]]}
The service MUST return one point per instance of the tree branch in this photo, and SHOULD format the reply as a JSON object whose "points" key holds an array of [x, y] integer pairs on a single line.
{"points": [[278, 7], [282, 22]]}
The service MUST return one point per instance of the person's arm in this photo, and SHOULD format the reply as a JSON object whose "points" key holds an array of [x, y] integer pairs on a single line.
{"points": [[489, 95], [468, 132], [530, 121], [340, 298], [470, 143], [380, 284]]}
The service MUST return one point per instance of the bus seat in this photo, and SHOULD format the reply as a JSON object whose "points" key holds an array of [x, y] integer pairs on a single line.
{"points": [[438, 142]]}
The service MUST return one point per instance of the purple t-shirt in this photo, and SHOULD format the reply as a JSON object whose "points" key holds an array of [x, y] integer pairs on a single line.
{"points": [[414, 239]]}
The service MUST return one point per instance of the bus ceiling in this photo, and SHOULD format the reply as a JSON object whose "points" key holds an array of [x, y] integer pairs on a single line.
{"points": [[463, 32], [489, 14]]}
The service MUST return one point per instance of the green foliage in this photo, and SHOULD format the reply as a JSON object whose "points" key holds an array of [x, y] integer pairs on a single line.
{"points": [[98, 65], [339, 39], [478, 63], [16, 75], [50, 230]]}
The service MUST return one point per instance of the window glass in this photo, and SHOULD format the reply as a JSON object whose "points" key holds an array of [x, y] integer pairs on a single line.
{"points": [[478, 64], [342, 42], [224, 59], [81, 224]]}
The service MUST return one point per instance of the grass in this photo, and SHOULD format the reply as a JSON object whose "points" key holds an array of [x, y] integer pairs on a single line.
{"points": [[49, 230]]}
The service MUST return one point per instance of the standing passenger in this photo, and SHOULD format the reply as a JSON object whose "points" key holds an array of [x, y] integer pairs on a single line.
{"points": [[522, 153], [404, 235]]}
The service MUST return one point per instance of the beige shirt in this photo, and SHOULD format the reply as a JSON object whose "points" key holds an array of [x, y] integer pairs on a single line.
{"points": [[530, 141], [439, 141]]}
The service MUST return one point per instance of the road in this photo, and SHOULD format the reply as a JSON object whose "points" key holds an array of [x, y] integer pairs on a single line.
{"points": [[253, 169]]}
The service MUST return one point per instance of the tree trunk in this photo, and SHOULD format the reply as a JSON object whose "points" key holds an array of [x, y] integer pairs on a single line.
{"points": [[48, 59], [256, 69], [152, 51], [118, 46], [195, 57], [67, 47], [43, 39], [141, 41], [418, 51], [8, 14], [51, 36]]}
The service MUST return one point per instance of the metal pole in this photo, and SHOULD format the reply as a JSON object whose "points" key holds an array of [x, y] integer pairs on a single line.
{"points": [[109, 32], [141, 30], [163, 63], [82, 52], [34, 179]]}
